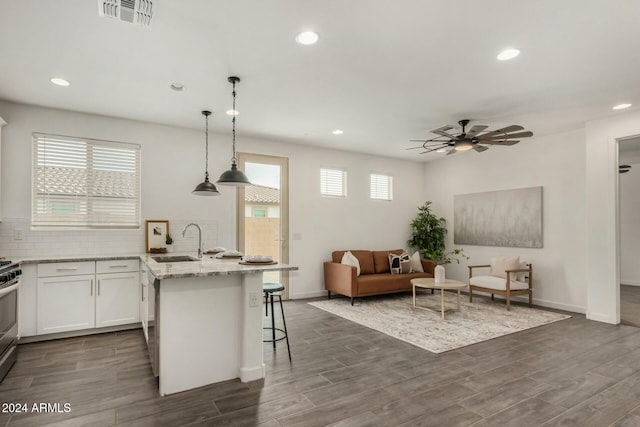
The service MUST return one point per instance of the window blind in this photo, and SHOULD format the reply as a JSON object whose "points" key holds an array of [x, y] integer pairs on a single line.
{"points": [[85, 183], [333, 182], [381, 187]]}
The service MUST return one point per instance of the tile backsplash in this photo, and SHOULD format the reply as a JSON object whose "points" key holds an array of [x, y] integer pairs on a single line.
{"points": [[37, 242]]}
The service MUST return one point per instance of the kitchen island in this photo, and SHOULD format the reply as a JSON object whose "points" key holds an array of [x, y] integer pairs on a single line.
{"points": [[207, 324]]}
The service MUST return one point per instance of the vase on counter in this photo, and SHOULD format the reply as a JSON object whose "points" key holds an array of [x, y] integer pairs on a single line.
{"points": [[169, 248], [438, 274]]}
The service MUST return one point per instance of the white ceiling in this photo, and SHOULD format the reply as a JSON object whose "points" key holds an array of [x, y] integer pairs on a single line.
{"points": [[383, 71]]}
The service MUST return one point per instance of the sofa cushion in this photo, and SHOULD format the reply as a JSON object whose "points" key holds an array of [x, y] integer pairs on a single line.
{"points": [[386, 282], [365, 258], [497, 283], [381, 260]]}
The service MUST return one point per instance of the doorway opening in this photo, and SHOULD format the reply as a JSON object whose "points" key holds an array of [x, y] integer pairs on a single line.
{"points": [[263, 212], [629, 229]]}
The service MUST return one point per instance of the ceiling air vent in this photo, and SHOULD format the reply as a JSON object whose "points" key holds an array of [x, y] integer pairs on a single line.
{"points": [[133, 11]]}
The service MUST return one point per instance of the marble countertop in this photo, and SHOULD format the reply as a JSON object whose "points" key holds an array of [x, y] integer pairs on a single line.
{"points": [[209, 265], [71, 258]]}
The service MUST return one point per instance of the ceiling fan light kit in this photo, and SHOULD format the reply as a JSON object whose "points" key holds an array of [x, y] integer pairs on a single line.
{"points": [[475, 138]]}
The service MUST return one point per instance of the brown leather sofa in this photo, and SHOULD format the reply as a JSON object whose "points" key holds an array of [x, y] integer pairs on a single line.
{"points": [[375, 275]]}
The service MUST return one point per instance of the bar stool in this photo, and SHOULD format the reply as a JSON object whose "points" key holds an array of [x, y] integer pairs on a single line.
{"points": [[269, 289]]}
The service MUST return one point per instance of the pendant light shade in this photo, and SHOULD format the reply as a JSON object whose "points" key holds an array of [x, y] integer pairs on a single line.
{"points": [[206, 188], [234, 176]]}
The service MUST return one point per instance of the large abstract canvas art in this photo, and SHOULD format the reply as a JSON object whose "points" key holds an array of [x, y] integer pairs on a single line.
{"points": [[511, 218]]}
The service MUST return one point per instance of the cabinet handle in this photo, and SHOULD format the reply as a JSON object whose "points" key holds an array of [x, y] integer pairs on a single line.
{"points": [[142, 293], [91, 287], [118, 266], [67, 269], [98, 287]]}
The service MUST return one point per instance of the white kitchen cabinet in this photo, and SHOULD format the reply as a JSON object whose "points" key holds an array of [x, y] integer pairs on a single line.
{"points": [[66, 303], [144, 293], [27, 301], [86, 294], [117, 299]]}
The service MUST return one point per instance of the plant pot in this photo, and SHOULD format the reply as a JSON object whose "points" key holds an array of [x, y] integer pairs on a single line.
{"points": [[438, 274], [169, 248]]}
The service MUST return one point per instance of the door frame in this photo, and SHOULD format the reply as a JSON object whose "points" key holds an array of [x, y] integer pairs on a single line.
{"points": [[283, 162]]}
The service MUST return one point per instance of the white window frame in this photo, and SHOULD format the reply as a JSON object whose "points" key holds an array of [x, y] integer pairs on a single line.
{"points": [[329, 188], [99, 181], [377, 190]]}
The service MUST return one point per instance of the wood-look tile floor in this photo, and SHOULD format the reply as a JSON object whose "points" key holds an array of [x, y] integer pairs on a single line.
{"points": [[630, 305], [573, 372]]}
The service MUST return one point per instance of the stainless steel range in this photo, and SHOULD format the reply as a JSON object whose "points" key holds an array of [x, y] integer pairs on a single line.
{"points": [[9, 283]]}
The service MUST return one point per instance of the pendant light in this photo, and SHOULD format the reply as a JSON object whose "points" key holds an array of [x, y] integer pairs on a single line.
{"points": [[206, 188], [234, 176]]}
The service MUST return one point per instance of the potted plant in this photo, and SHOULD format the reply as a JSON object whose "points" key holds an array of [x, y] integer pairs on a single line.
{"points": [[428, 235], [169, 242]]}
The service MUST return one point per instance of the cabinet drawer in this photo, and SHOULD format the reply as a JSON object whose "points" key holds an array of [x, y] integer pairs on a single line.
{"points": [[55, 269], [117, 266]]}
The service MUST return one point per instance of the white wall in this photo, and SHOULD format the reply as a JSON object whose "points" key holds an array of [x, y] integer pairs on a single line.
{"points": [[630, 226], [173, 163], [602, 213], [557, 163]]}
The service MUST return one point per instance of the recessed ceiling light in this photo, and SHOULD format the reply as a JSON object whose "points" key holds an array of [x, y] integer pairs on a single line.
{"points": [[232, 112], [441, 150], [508, 54], [307, 37], [60, 81], [337, 132], [178, 87], [621, 106]]}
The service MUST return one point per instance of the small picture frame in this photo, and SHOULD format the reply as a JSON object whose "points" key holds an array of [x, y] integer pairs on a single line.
{"points": [[157, 231]]}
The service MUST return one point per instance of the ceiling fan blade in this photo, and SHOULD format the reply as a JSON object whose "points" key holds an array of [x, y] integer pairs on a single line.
{"points": [[452, 151], [434, 148], [475, 129], [479, 148], [502, 131], [442, 131], [526, 134], [499, 142], [413, 148]]}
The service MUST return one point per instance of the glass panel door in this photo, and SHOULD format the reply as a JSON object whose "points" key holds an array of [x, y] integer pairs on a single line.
{"points": [[263, 217]]}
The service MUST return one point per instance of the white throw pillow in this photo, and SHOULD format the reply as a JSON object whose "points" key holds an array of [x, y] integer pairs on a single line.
{"points": [[350, 259], [416, 264], [500, 264]]}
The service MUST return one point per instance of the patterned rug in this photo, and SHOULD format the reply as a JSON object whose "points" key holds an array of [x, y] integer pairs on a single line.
{"points": [[478, 321]]}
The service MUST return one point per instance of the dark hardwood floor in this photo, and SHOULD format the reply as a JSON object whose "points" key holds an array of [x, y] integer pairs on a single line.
{"points": [[630, 305], [574, 372]]}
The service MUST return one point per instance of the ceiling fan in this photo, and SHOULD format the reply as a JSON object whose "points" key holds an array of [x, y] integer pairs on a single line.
{"points": [[476, 138]]}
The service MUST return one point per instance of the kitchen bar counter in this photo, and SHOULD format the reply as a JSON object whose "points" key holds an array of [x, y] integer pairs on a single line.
{"points": [[208, 321]]}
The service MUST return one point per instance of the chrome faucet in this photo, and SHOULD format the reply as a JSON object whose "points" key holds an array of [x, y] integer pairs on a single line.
{"points": [[184, 230]]}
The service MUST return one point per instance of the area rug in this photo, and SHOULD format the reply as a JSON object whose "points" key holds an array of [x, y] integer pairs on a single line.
{"points": [[478, 321]]}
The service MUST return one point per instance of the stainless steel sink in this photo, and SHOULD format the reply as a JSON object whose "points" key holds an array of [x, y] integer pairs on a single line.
{"points": [[174, 258]]}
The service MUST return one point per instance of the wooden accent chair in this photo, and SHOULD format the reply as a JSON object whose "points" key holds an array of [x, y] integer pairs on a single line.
{"points": [[507, 277]]}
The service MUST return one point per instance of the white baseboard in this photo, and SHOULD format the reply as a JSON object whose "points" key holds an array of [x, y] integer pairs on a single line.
{"points": [[629, 282]]}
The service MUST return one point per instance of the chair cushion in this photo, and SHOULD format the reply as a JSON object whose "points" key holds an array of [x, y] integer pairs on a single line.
{"points": [[500, 264], [497, 283]]}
